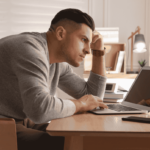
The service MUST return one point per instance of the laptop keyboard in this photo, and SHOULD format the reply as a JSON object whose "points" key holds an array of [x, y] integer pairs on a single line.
{"points": [[118, 107]]}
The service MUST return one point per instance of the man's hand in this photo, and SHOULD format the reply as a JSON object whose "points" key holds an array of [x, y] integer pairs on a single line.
{"points": [[88, 102], [148, 102], [144, 102], [97, 41]]}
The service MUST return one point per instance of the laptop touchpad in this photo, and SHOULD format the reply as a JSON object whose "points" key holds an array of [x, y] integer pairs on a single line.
{"points": [[103, 111]]}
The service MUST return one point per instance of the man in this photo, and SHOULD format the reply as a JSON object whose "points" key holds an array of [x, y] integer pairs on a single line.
{"points": [[33, 65]]}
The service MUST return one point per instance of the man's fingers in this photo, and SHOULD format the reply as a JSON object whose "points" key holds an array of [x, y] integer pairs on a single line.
{"points": [[95, 32], [96, 35], [95, 38], [98, 99], [102, 105]]}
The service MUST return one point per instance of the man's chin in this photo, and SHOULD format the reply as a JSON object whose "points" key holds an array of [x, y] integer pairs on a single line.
{"points": [[75, 64]]}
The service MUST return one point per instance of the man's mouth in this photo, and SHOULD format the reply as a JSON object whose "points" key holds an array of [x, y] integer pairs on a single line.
{"points": [[82, 56]]}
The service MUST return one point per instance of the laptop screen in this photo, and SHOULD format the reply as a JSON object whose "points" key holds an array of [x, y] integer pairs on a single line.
{"points": [[140, 90]]}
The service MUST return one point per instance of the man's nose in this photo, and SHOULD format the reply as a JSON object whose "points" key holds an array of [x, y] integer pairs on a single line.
{"points": [[87, 49]]}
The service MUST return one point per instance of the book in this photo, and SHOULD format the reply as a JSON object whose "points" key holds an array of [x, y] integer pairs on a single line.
{"points": [[120, 61], [116, 95], [116, 59]]}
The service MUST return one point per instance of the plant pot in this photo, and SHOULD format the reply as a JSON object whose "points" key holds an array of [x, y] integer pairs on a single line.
{"points": [[139, 69]]}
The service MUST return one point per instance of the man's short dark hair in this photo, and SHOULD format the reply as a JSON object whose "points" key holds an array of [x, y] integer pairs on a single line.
{"points": [[74, 15]]}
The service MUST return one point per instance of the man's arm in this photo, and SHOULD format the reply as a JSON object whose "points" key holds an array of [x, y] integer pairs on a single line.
{"points": [[89, 102], [98, 51], [77, 87], [98, 65]]}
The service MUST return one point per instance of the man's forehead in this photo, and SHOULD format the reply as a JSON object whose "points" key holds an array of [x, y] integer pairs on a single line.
{"points": [[87, 31]]}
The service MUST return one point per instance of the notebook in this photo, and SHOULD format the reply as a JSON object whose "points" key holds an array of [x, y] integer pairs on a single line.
{"points": [[134, 100]]}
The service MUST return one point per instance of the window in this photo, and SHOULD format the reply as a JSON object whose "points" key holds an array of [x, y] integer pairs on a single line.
{"points": [[18, 16]]}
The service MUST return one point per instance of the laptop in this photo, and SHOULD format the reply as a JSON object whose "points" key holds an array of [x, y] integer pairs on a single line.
{"points": [[133, 102]]}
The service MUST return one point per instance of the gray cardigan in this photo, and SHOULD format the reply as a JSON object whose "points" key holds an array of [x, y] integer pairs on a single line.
{"points": [[28, 82]]}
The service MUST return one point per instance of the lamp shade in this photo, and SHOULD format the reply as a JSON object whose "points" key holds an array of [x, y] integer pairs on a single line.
{"points": [[139, 44]]}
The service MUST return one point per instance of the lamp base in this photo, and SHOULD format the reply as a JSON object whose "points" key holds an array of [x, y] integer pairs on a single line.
{"points": [[132, 72]]}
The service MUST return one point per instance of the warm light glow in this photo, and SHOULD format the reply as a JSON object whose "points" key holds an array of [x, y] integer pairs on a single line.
{"points": [[139, 50], [140, 46]]}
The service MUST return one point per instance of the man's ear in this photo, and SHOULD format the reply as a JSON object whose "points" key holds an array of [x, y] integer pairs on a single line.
{"points": [[60, 33]]}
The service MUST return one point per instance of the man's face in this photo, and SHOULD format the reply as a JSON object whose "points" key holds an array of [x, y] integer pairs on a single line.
{"points": [[77, 44]]}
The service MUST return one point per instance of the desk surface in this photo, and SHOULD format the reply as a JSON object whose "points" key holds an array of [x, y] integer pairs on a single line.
{"points": [[89, 131], [97, 125]]}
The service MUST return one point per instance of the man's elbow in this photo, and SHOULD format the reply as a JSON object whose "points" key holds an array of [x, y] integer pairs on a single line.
{"points": [[40, 117], [37, 118]]}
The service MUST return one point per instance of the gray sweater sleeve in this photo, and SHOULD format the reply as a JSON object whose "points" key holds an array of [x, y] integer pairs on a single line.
{"points": [[31, 68], [75, 86]]}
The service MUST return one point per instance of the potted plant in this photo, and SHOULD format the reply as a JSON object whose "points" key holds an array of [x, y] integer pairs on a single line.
{"points": [[142, 63]]}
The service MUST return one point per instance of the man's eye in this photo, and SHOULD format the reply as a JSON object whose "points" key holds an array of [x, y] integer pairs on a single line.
{"points": [[83, 39]]}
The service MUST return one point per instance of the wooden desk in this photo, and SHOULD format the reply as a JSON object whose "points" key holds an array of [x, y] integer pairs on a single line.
{"points": [[107, 132]]}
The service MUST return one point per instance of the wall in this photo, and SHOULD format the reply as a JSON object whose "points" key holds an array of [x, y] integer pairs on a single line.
{"points": [[18, 16], [127, 15]]}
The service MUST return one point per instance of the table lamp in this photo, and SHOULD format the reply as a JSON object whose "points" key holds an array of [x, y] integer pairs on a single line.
{"points": [[139, 46]]}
